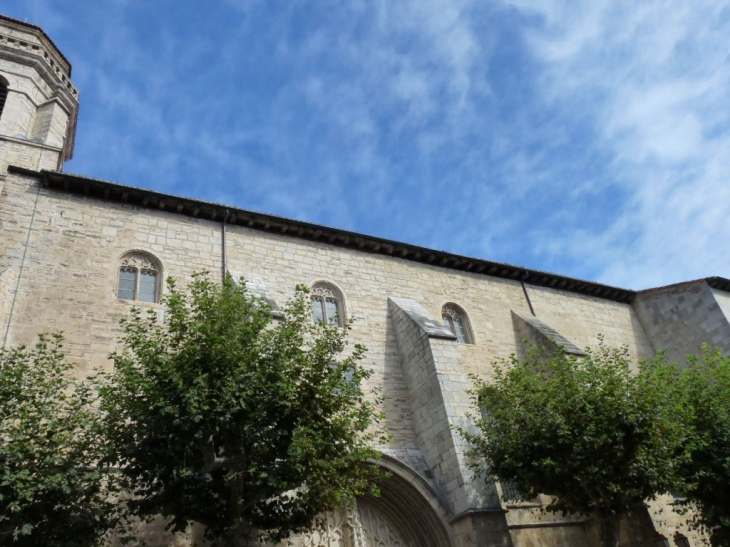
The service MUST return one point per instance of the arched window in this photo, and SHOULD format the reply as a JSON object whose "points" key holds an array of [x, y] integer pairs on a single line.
{"points": [[456, 321], [327, 305], [139, 277], [3, 93]]}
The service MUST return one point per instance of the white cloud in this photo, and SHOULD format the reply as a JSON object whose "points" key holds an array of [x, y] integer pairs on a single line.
{"points": [[588, 137], [652, 79]]}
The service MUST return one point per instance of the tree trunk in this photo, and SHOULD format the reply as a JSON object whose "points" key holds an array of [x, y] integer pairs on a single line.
{"points": [[247, 538], [609, 525]]}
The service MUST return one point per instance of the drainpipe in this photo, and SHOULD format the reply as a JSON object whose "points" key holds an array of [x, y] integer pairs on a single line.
{"points": [[224, 268], [527, 297]]}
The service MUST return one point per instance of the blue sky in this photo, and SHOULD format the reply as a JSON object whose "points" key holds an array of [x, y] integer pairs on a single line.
{"points": [[588, 138]]}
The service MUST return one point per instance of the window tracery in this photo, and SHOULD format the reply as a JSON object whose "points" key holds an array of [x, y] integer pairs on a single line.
{"points": [[327, 305], [374, 528], [139, 278], [457, 322]]}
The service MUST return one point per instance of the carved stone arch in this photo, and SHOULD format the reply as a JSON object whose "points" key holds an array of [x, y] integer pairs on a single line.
{"points": [[325, 290], [140, 261], [406, 514], [455, 312], [408, 505]]}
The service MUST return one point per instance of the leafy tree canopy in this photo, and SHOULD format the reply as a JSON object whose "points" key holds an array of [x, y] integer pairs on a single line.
{"points": [[217, 414], [706, 390], [586, 431], [52, 493]]}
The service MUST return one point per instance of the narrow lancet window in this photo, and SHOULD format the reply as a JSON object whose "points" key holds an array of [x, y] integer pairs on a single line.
{"points": [[456, 321]]}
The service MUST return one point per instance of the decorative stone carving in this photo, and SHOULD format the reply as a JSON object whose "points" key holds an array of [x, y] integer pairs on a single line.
{"points": [[364, 526], [138, 262], [320, 291], [452, 313], [373, 529], [334, 533]]}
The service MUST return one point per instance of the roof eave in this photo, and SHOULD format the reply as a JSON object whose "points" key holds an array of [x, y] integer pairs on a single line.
{"points": [[114, 192]]}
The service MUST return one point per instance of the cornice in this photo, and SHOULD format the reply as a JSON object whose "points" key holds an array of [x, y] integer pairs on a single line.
{"points": [[44, 38], [148, 199]]}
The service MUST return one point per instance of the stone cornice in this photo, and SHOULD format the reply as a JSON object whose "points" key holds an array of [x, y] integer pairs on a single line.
{"points": [[61, 60], [119, 193]]}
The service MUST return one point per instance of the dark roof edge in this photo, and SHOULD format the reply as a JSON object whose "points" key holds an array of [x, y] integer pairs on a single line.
{"points": [[715, 282], [111, 191], [43, 32]]}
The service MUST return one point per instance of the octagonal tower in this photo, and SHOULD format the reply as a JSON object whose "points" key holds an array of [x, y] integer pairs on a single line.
{"points": [[38, 102]]}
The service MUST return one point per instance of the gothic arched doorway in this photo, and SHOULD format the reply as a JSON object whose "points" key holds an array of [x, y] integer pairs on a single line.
{"points": [[404, 515]]}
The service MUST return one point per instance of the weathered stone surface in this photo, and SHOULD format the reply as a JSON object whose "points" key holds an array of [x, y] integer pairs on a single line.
{"points": [[540, 334], [60, 254]]}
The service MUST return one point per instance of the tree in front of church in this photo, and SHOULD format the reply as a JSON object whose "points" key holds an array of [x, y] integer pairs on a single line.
{"points": [[221, 415], [589, 432], [705, 392], [53, 493]]}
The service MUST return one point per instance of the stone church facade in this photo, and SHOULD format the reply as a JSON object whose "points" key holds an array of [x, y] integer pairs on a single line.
{"points": [[77, 252]]}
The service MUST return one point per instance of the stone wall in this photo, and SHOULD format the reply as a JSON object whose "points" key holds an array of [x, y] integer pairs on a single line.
{"points": [[681, 318], [66, 279]]}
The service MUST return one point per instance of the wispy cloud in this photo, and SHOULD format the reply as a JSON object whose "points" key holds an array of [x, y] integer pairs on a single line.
{"points": [[585, 137], [652, 79]]}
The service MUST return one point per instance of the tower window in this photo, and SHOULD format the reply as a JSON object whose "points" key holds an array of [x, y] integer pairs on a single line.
{"points": [[327, 305], [457, 322], [139, 278], [3, 94]]}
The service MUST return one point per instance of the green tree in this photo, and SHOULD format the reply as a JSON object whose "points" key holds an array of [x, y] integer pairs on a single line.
{"points": [[218, 414], [52, 493], [587, 431], [706, 392]]}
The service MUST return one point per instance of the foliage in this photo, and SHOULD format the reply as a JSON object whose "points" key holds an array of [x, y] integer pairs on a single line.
{"points": [[706, 389], [221, 416], [587, 431], [51, 491]]}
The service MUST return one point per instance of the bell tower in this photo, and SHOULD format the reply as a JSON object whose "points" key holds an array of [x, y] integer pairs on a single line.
{"points": [[38, 103]]}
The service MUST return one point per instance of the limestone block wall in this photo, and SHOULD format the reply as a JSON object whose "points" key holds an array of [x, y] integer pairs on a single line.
{"points": [[669, 518], [68, 271], [27, 90], [19, 110], [539, 334], [581, 319], [437, 389], [49, 125], [680, 318], [17, 203], [30, 113], [59, 260], [30, 155]]}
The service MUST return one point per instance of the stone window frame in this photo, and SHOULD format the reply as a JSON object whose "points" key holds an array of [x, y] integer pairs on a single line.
{"points": [[324, 291], [139, 261], [450, 312], [4, 92]]}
